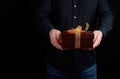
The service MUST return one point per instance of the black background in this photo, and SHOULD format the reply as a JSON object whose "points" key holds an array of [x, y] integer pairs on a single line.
{"points": [[21, 56]]}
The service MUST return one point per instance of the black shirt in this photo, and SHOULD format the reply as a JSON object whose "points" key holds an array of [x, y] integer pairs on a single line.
{"points": [[66, 14]]}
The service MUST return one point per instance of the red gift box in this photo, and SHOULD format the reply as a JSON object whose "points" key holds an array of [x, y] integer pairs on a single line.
{"points": [[77, 39]]}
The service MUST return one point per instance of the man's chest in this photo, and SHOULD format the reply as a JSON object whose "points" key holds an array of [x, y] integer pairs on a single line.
{"points": [[70, 4]]}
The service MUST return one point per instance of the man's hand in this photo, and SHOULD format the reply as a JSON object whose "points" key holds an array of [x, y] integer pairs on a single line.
{"points": [[54, 38], [97, 38]]}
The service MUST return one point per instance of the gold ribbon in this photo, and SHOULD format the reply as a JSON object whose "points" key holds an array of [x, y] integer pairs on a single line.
{"points": [[78, 31], [77, 36]]}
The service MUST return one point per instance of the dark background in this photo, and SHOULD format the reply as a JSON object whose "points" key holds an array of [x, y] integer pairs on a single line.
{"points": [[21, 56]]}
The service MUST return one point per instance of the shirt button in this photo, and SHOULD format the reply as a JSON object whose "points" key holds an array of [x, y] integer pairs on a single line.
{"points": [[75, 17], [75, 6]]}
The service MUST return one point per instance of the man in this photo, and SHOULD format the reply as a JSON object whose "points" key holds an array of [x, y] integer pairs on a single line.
{"points": [[55, 16]]}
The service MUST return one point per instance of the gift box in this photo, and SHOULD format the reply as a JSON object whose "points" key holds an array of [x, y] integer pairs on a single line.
{"points": [[77, 39]]}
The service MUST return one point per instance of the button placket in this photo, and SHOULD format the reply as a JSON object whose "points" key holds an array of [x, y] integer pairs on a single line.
{"points": [[75, 12]]}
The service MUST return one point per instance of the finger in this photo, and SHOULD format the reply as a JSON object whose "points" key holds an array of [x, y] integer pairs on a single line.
{"points": [[58, 45], [96, 42], [95, 37], [55, 43], [54, 36], [60, 39]]}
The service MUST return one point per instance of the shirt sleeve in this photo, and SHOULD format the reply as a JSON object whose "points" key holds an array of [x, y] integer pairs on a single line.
{"points": [[105, 17], [42, 18]]}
